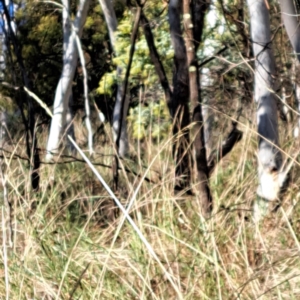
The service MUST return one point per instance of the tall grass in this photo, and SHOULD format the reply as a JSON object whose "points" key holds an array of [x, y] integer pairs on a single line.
{"points": [[65, 244]]}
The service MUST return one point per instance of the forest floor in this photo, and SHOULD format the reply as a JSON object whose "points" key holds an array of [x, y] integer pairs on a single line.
{"points": [[68, 241]]}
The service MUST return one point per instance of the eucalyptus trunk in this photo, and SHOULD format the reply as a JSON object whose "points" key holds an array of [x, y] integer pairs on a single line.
{"points": [[290, 16], [206, 83], [64, 87], [269, 157], [112, 23], [67, 31], [180, 100], [296, 68], [194, 12]]}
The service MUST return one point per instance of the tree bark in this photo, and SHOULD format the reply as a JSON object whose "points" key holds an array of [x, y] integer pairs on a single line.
{"points": [[3, 128], [112, 23], [193, 14], [269, 156], [180, 100], [67, 31], [291, 23], [208, 117], [296, 84], [70, 58], [70, 125]]}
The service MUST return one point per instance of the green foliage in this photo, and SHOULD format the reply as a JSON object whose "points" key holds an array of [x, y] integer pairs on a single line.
{"points": [[152, 120], [107, 82], [142, 70]]}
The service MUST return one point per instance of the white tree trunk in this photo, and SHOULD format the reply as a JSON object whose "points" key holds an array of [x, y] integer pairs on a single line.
{"points": [[123, 144], [296, 69], [66, 35], [3, 127], [268, 156], [292, 26], [291, 23], [70, 124], [297, 96], [110, 18], [86, 98], [112, 23], [70, 57], [207, 113]]}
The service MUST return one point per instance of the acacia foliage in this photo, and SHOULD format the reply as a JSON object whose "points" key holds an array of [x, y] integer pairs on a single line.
{"points": [[142, 74], [142, 71]]}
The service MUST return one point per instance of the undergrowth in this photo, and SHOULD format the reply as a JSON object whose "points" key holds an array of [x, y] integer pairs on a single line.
{"points": [[64, 243]]}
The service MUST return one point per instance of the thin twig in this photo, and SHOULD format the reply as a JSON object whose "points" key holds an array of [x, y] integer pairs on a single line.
{"points": [[78, 281], [7, 206], [206, 61], [86, 97], [5, 262]]}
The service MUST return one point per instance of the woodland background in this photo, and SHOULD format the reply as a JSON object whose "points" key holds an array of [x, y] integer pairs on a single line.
{"points": [[67, 239]]}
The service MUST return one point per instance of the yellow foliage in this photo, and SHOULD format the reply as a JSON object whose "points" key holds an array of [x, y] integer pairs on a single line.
{"points": [[89, 22], [28, 50], [106, 83], [46, 24]]}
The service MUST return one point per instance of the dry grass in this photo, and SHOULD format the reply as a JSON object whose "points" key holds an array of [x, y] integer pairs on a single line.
{"points": [[66, 244]]}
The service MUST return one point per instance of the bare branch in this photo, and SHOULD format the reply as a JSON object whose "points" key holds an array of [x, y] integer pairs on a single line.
{"points": [[125, 85], [156, 59]]}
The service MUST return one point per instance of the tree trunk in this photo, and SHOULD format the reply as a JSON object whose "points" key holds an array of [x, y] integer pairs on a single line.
{"points": [[3, 128], [112, 23], [269, 156], [208, 118], [64, 87], [180, 100], [291, 22], [70, 125], [67, 31], [193, 21], [296, 90]]}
